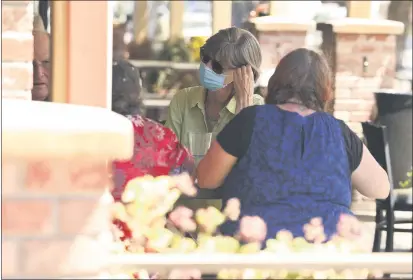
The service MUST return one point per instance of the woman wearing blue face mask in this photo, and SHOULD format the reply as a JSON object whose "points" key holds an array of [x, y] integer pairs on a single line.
{"points": [[230, 62]]}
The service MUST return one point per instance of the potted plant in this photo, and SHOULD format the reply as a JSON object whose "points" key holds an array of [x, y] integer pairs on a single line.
{"points": [[170, 80], [408, 182]]}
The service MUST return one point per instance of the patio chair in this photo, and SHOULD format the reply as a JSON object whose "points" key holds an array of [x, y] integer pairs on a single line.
{"points": [[398, 199]]}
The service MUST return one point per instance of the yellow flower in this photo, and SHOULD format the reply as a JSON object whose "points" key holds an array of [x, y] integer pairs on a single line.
{"points": [[195, 43]]}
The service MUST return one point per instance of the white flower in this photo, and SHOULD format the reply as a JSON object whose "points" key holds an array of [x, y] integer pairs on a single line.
{"points": [[160, 133], [136, 120]]}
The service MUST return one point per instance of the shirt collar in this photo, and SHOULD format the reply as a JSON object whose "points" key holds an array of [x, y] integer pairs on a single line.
{"points": [[198, 99]]}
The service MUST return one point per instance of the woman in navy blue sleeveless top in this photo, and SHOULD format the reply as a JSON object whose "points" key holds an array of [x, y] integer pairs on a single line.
{"points": [[289, 161]]}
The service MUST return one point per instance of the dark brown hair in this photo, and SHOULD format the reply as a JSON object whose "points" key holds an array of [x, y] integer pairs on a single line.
{"points": [[303, 76], [126, 88]]}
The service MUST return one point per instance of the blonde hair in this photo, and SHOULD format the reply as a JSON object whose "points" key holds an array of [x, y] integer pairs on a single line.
{"points": [[235, 47]]}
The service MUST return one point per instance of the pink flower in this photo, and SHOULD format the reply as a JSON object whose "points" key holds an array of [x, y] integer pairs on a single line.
{"points": [[185, 184], [252, 229], [349, 227], [232, 209], [181, 217], [314, 230], [209, 219]]}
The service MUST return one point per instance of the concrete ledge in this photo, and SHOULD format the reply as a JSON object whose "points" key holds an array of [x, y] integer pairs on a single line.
{"points": [[367, 26], [271, 23], [47, 130]]}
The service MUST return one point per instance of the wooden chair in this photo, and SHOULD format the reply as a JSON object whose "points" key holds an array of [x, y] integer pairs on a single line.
{"points": [[398, 200]]}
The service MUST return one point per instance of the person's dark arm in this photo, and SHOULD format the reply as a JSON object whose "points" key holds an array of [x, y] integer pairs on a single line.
{"points": [[353, 145]]}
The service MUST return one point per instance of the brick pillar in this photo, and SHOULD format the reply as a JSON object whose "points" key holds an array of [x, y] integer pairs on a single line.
{"points": [[278, 36], [55, 181], [17, 49], [362, 54]]}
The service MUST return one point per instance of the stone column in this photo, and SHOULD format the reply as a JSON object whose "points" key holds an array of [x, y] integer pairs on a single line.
{"points": [[17, 49], [176, 19], [140, 20], [359, 9], [362, 54], [278, 36], [221, 15], [55, 182], [90, 85]]}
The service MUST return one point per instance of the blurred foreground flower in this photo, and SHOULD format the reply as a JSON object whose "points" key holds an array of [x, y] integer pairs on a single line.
{"points": [[314, 230], [209, 219], [181, 217], [232, 209], [185, 184], [148, 223], [253, 229], [353, 233]]}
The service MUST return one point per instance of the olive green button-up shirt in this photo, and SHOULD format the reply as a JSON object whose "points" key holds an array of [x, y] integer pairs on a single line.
{"points": [[187, 113]]}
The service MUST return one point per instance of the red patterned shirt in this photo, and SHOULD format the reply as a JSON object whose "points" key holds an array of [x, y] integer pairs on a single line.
{"points": [[157, 152]]}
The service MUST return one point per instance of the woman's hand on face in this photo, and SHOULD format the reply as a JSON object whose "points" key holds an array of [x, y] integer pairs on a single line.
{"points": [[244, 87]]}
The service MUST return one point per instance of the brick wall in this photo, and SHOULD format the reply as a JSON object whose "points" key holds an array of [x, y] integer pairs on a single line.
{"points": [[278, 37], [354, 98], [276, 44], [17, 48], [55, 177], [51, 216], [355, 87], [348, 44]]}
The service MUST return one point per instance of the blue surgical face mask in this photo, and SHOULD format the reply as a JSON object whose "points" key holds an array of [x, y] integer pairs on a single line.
{"points": [[209, 79]]}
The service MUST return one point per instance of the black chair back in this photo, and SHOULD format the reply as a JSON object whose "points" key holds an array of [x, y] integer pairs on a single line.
{"points": [[377, 143], [395, 113]]}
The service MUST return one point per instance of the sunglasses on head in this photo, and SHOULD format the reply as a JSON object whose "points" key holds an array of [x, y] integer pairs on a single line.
{"points": [[216, 66]]}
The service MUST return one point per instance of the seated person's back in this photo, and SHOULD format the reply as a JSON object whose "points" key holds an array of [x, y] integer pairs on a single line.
{"points": [[289, 161], [157, 150], [291, 168]]}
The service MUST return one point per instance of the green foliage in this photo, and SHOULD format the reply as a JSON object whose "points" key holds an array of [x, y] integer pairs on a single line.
{"points": [[408, 182], [170, 80], [175, 50]]}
